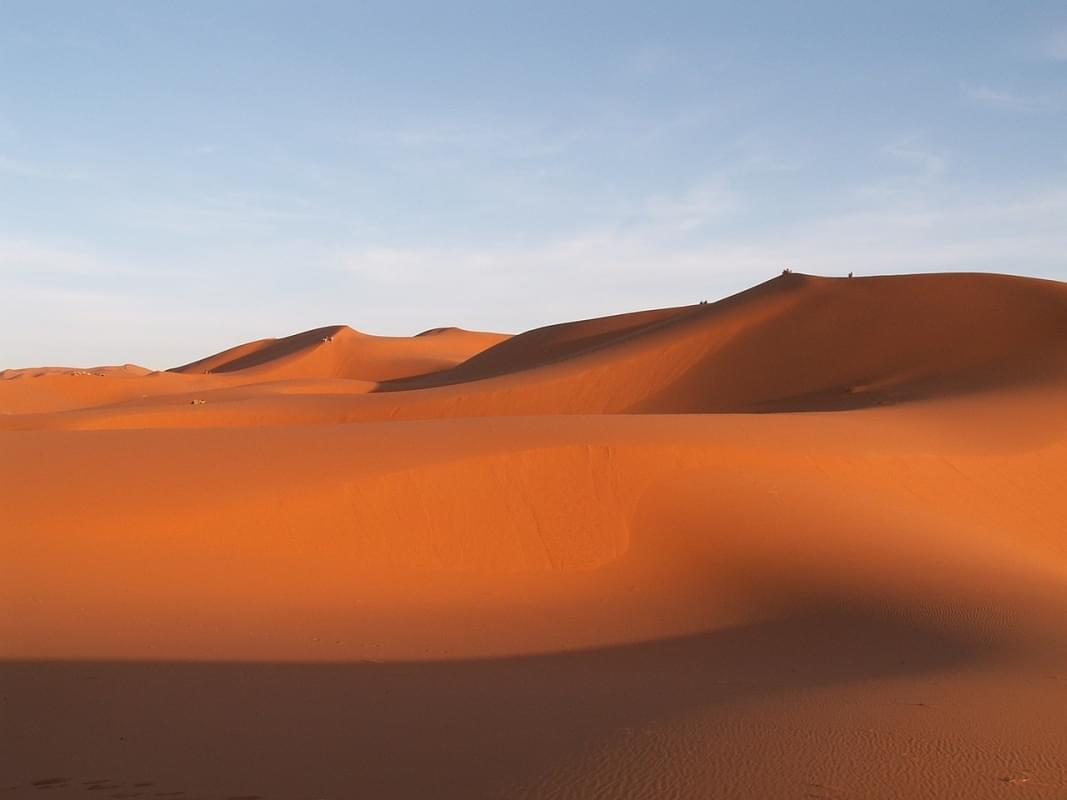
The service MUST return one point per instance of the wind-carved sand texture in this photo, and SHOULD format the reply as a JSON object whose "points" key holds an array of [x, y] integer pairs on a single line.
{"points": [[806, 542]]}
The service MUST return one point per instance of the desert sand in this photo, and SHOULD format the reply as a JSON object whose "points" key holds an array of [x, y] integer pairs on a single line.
{"points": [[809, 541]]}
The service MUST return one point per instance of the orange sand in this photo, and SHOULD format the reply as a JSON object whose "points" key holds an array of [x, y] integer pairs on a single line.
{"points": [[808, 541]]}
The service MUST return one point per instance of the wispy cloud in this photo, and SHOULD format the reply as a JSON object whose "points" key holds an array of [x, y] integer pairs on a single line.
{"points": [[34, 259], [693, 209], [927, 163], [1054, 46], [917, 169], [54, 40], [652, 59], [29, 169], [490, 135], [234, 212], [1005, 100], [204, 149], [31, 257]]}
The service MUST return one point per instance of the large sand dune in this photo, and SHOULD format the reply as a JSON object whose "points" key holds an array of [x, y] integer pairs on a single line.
{"points": [[807, 541]]}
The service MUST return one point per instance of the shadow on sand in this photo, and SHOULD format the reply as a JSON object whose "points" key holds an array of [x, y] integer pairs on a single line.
{"points": [[464, 729]]}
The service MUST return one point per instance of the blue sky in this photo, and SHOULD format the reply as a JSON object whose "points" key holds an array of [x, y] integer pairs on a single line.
{"points": [[179, 177]]}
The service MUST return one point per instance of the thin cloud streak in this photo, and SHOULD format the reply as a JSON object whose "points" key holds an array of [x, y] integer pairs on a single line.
{"points": [[1008, 101], [27, 169]]}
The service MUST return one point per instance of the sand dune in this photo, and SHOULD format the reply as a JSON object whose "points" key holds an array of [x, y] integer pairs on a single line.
{"points": [[795, 343], [808, 541], [338, 351], [323, 360]]}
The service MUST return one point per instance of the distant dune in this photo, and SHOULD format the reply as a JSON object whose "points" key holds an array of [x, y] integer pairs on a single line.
{"points": [[340, 352], [808, 541]]}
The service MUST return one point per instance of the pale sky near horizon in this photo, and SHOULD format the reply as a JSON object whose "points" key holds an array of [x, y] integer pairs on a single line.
{"points": [[176, 178]]}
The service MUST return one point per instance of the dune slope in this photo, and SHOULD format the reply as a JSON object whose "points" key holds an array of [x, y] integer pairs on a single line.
{"points": [[809, 541]]}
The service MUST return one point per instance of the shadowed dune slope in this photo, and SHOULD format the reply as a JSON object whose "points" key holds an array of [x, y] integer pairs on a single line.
{"points": [[853, 586], [544, 346]]}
